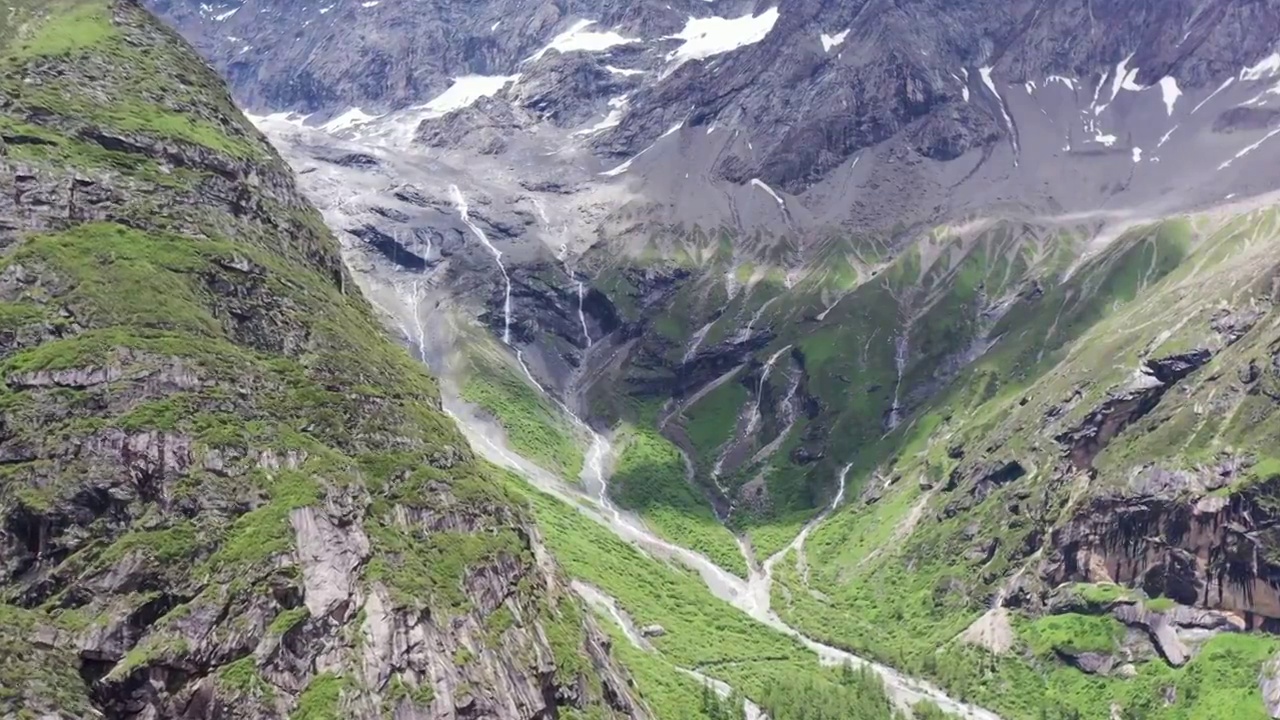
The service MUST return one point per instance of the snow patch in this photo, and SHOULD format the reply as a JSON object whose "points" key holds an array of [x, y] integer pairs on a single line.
{"points": [[223, 16], [830, 41], [1261, 98], [1223, 86], [1126, 78], [1267, 67], [757, 182], [705, 37], [1008, 121], [1249, 149], [625, 72], [1165, 138], [275, 120], [1097, 90], [617, 107], [964, 84], [370, 3], [1137, 154], [614, 172], [1071, 84], [578, 39], [466, 90], [1107, 140], [1169, 92], [348, 119]]}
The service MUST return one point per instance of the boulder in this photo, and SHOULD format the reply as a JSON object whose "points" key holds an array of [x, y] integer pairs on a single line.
{"points": [[653, 631]]}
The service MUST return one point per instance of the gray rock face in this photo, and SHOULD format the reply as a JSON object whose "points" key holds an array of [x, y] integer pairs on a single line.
{"points": [[1159, 628], [1163, 543]]}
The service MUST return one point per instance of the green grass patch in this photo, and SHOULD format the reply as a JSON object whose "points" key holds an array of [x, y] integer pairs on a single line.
{"points": [[1072, 633], [650, 478], [535, 428], [321, 699], [701, 630], [122, 72], [711, 421]]}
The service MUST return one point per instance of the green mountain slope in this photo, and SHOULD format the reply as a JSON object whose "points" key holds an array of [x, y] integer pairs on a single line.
{"points": [[223, 491], [1060, 454]]}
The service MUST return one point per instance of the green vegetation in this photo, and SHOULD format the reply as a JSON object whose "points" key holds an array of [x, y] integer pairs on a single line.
{"points": [[1219, 683], [1072, 633], [242, 677], [1100, 595], [650, 478], [321, 699], [425, 568], [288, 620], [666, 691], [702, 632], [535, 428], [710, 422], [399, 691], [198, 385], [32, 673], [117, 74], [154, 647], [850, 694]]}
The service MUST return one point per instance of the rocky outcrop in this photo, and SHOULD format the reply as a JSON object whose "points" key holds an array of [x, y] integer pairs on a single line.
{"points": [[225, 493], [484, 128], [1126, 405], [1162, 632], [1210, 552]]}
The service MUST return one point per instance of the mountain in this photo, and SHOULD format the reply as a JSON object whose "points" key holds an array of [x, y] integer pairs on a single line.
{"points": [[225, 492], [947, 327]]}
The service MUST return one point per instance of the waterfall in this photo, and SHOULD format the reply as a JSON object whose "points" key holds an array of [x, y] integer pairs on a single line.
{"points": [[764, 376], [696, 341], [460, 201], [415, 298], [582, 316], [745, 333], [900, 347]]}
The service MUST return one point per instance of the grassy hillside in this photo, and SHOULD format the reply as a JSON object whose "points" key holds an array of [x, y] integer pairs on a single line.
{"points": [[222, 485]]}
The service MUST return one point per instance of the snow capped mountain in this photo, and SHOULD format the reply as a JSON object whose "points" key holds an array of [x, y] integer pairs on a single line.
{"points": [[625, 126]]}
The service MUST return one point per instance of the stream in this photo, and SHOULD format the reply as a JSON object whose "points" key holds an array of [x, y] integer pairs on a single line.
{"points": [[751, 596]]}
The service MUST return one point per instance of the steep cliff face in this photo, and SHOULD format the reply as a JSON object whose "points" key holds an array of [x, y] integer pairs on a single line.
{"points": [[1217, 551], [223, 492]]}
